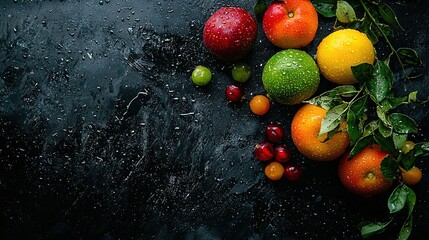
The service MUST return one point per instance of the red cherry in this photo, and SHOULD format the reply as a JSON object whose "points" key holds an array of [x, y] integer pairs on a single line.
{"points": [[274, 132], [234, 92], [293, 172], [282, 153], [264, 151]]}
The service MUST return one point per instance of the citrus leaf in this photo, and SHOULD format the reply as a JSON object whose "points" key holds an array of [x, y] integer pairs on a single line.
{"points": [[353, 127], [369, 229], [381, 82], [260, 8], [388, 15], [402, 123], [354, 25], [405, 231], [384, 130], [386, 144], [407, 161], [421, 149], [409, 57], [362, 143], [345, 12], [389, 168], [399, 139], [381, 114], [325, 7], [333, 118], [411, 201], [412, 97], [397, 199], [346, 90], [370, 128], [363, 72]]}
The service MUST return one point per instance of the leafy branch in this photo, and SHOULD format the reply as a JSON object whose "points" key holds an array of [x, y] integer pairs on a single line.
{"points": [[370, 110], [377, 21]]}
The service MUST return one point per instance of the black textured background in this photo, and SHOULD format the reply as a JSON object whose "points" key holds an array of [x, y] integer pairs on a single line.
{"points": [[104, 136]]}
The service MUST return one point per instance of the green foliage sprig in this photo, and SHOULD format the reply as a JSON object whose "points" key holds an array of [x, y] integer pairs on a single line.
{"points": [[370, 109], [378, 21]]}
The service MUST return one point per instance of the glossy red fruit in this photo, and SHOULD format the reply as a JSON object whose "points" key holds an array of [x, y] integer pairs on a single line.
{"points": [[274, 132], [293, 172], [282, 153], [264, 151], [230, 33], [234, 92]]}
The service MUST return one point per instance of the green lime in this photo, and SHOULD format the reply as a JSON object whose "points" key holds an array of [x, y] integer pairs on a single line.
{"points": [[290, 76], [241, 72], [201, 75]]}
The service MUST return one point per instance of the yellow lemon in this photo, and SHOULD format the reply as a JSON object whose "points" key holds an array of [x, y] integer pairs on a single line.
{"points": [[341, 50]]}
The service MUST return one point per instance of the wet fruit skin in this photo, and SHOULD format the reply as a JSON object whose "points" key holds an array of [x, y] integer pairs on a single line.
{"points": [[264, 151], [274, 132], [234, 92], [241, 72], [305, 129], [361, 174], [282, 153], [230, 33], [290, 76], [293, 172], [201, 76], [259, 105], [412, 176], [274, 171], [341, 50], [290, 23]]}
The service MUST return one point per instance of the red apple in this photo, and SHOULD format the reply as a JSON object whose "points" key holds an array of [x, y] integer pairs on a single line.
{"points": [[290, 23], [230, 33]]}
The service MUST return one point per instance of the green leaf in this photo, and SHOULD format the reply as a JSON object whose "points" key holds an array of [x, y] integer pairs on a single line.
{"points": [[399, 139], [397, 199], [409, 57], [325, 7], [389, 167], [381, 114], [402, 123], [354, 25], [387, 30], [370, 128], [345, 12], [405, 231], [412, 97], [381, 82], [353, 127], [407, 161], [363, 72], [369, 229], [346, 90], [260, 8], [362, 143], [421, 149], [386, 144], [388, 15], [333, 118], [384, 130], [411, 201]]}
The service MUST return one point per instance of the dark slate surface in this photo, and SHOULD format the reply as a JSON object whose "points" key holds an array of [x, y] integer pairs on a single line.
{"points": [[104, 136]]}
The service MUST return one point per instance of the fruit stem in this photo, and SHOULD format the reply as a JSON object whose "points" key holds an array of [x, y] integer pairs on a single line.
{"points": [[385, 37]]}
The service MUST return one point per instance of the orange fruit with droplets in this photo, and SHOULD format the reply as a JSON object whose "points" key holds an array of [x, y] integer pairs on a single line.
{"points": [[362, 175], [341, 50], [305, 129], [412, 176]]}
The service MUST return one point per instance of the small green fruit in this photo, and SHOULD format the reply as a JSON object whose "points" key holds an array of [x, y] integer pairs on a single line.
{"points": [[201, 76], [241, 72], [290, 76]]}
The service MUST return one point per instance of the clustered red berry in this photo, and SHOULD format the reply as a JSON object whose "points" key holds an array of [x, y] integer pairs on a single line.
{"points": [[275, 153]]}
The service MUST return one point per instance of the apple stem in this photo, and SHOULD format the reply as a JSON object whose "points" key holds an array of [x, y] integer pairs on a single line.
{"points": [[290, 14]]}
